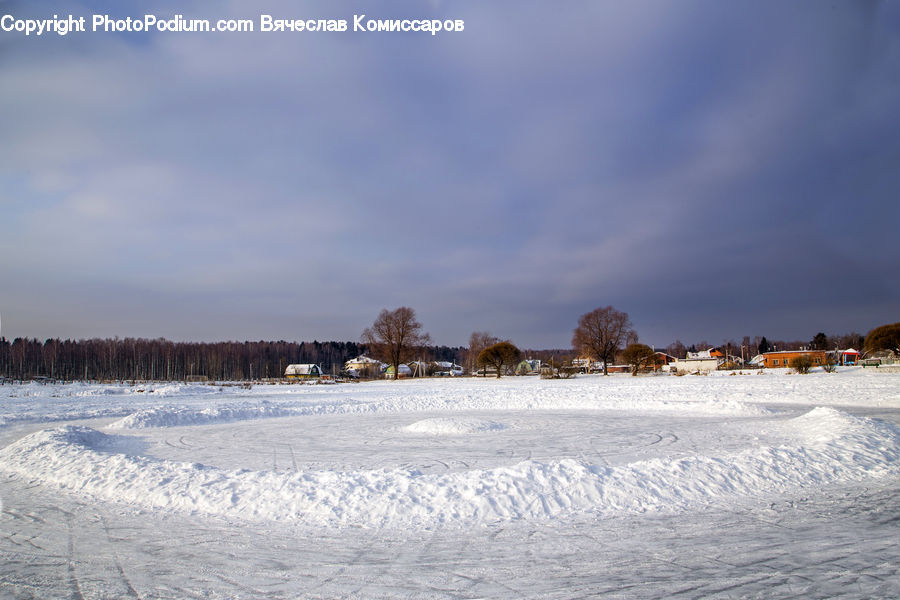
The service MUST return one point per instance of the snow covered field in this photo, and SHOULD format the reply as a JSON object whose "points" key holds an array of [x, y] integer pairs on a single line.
{"points": [[763, 485]]}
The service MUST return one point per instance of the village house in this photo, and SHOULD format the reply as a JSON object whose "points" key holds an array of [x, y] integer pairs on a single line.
{"points": [[661, 361], [703, 361], [705, 354], [363, 366], [782, 358], [303, 371]]}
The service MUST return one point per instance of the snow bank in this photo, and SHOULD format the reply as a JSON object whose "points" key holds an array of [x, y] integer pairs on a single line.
{"points": [[164, 389], [41, 403], [822, 446], [180, 416]]}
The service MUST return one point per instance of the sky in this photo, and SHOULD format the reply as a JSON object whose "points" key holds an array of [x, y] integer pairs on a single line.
{"points": [[714, 169]]}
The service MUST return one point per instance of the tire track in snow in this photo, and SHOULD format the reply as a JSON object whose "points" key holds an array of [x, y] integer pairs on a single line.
{"points": [[341, 570], [250, 591], [70, 556], [24, 516], [189, 446], [132, 593], [293, 458], [179, 446]]}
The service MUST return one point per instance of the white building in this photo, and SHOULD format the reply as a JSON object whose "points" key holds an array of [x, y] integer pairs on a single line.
{"points": [[694, 365]]}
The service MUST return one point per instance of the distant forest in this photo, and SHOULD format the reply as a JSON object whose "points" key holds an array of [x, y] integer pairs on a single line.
{"points": [[163, 360]]}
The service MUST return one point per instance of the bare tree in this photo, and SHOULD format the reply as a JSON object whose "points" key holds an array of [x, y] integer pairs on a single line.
{"points": [[676, 349], [500, 356], [395, 336], [478, 341], [601, 333]]}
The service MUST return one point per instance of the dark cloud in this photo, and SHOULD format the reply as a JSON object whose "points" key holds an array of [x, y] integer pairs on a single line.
{"points": [[716, 170]]}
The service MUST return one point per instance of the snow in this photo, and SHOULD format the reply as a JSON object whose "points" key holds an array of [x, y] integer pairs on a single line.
{"points": [[823, 446], [453, 460], [454, 426]]}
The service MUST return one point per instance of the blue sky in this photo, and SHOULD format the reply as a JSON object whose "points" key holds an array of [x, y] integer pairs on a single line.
{"points": [[713, 169]]}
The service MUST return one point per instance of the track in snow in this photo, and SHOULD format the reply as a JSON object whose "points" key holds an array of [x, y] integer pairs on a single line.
{"points": [[840, 544], [379, 441]]}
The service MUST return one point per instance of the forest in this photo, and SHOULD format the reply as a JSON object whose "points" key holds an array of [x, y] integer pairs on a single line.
{"points": [[132, 359]]}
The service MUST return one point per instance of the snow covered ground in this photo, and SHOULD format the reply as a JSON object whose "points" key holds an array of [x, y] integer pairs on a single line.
{"points": [[762, 485]]}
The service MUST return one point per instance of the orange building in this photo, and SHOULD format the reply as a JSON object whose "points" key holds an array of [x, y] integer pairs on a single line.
{"points": [[783, 358]]}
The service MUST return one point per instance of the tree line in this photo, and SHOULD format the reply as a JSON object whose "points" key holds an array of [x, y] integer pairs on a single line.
{"points": [[396, 336], [164, 360]]}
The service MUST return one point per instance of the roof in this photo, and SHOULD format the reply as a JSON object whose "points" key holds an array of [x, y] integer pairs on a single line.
{"points": [[708, 353], [364, 360], [303, 369]]}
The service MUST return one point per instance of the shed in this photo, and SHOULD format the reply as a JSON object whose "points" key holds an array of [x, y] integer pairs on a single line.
{"points": [[303, 371], [403, 370], [849, 356], [528, 367]]}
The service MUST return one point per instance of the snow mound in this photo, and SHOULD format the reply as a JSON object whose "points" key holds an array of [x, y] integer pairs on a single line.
{"points": [[454, 426], [170, 416], [823, 424], [180, 416], [821, 447], [165, 389]]}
